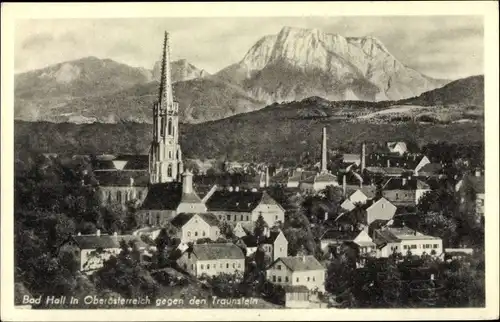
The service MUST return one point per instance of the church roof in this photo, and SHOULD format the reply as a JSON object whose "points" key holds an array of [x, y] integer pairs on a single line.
{"points": [[135, 161], [163, 196], [122, 177]]}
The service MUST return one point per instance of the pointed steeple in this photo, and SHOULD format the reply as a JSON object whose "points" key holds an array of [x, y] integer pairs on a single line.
{"points": [[165, 96]]}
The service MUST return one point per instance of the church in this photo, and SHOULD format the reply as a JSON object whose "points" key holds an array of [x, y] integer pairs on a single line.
{"points": [[162, 189]]}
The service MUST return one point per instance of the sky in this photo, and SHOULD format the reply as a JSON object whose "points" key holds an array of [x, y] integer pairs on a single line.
{"points": [[448, 47]]}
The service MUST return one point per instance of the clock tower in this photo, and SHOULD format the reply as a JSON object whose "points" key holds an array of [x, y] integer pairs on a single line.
{"points": [[165, 156]]}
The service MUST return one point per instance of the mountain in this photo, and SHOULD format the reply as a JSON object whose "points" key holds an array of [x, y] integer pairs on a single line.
{"points": [[182, 70], [298, 63], [102, 90], [464, 92]]}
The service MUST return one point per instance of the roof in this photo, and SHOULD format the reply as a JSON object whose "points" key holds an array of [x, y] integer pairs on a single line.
{"points": [[392, 145], [168, 196], [135, 161], [404, 184], [241, 180], [431, 168], [321, 177], [393, 234], [181, 219], [298, 176], [369, 191], [387, 171], [272, 237], [238, 201], [163, 196], [350, 157], [408, 162], [340, 235], [217, 251], [300, 263], [122, 177], [105, 241]]}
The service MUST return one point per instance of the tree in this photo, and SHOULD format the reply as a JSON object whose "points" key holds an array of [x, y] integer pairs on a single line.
{"points": [[260, 226]]}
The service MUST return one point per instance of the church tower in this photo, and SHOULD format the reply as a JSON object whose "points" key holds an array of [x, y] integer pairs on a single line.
{"points": [[165, 156]]}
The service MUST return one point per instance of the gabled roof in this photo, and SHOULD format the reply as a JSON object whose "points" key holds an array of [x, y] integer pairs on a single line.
{"points": [[272, 237], [135, 161], [238, 201], [217, 251], [122, 177], [321, 177], [404, 184], [394, 235], [300, 263], [430, 168], [105, 241], [351, 157], [181, 219], [298, 176]]}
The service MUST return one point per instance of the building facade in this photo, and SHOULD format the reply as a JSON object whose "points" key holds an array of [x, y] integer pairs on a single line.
{"points": [[299, 270]]}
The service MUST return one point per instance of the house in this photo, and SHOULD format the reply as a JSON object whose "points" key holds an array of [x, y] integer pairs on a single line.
{"points": [[397, 147], [339, 236], [297, 176], [121, 186], [250, 243], [298, 270], [212, 259], [404, 191], [318, 182], [165, 200], [273, 243], [191, 227], [151, 232], [395, 165], [359, 196], [245, 206], [297, 297], [349, 158], [92, 251], [473, 186], [403, 239], [430, 170], [378, 208]]}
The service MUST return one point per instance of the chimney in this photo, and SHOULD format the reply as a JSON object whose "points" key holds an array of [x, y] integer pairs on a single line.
{"points": [[230, 189], [79, 234], [131, 181], [303, 258], [237, 189], [267, 176], [363, 157], [187, 182], [432, 277], [388, 163], [326, 216], [323, 152], [98, 232], [403, 181], [478, 173], [344, 185]]}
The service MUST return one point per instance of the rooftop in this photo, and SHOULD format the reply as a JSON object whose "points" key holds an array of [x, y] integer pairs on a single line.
{"points": [[238, 201], [122, 177], [404, 184], [105, 241], [167, 196], [217, 251], [181, 219], [392, 234], [300, 263]]}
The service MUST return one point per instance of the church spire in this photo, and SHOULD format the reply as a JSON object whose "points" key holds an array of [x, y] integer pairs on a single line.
{"points": [[165, 96]]}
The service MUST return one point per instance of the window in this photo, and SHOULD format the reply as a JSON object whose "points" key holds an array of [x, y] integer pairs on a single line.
{"points": [[239, 265], [170, 154], [241, 217], [195, 233], [192, 267], [170, 126], [397, 195], [297, 279], [286, 279], [279, 279], [189, 234], [281, 249], [405, 246], [185, 266], [201, 266], [109, 196], [274, 278], [436, 245], [308, 279], [208, 266], [227, 265], [234, 265], [203, 234], [162, 129], [276, 217], [314, 279], [169, 170], [140, 195], [157, 218], [228, 217], [279, 266], [247, 218], [413, 246], [119, 196]]}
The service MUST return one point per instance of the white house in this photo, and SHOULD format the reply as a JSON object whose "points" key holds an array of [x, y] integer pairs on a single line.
{"points": [[401, 240], [298, 270]]}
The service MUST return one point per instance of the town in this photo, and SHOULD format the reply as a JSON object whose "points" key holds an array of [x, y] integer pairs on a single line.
{"points": [[391, 225]]}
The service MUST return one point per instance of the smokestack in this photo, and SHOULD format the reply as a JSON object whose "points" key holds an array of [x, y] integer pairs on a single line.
{"points": [[326, 216], [363, 157], [388, 163], [98, 232], [323, 152], [187, 182], [404, 181], [344, 185], [267, 176]]}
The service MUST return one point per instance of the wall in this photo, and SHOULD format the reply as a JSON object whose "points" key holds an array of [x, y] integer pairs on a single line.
{"points": [[388, 250], [358, 196], [270, 212], [216, 267], [194, 229], [418, 247], [109, 194], [382, 209], [480, 203], [232, 216], [280, 248], [310, 279], [419, 193], [279, 274], [154, 217]]}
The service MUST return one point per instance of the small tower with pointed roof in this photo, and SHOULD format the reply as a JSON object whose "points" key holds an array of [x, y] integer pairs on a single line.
{"points": [[165, 156]]}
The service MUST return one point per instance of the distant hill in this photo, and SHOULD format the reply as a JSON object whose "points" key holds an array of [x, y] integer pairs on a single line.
{"points": [[463, 92]]}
